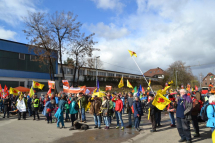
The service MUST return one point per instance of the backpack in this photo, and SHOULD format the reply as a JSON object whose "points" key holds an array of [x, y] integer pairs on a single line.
{"points": [[204, 116], [76, 106]]}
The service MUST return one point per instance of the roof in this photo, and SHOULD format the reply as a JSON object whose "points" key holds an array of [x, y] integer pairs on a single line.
{"points": [[209, 74], [152, 72]]}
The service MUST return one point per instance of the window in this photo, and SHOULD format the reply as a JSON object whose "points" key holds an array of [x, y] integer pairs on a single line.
{"points": [[64, 69], [81, 72], [205, 78], [118, 75], [132, 77], [158, 70], [102, 73], [210, 78], [205, 83], [69, 71], [150, 71], [33, 57], [111, 74], [125, 76], [21, 56], [22, 83], [93, 73]]}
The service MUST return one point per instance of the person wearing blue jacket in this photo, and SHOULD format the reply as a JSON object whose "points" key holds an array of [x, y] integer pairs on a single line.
{"points": [[72, 110], [29, 105], [59, 113], [211, 113], [138, 112]]}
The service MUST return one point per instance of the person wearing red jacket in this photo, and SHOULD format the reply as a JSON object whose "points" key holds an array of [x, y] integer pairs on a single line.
{"points": [[118, 111]]}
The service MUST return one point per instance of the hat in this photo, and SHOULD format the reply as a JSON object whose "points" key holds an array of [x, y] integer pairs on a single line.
{"points": [[188, 94], [28, 96], [151, 95]]}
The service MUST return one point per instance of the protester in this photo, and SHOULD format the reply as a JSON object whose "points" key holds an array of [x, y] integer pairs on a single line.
{"points": [[118, 111], [129, 104], [29, 106], [153, 112], [211, 113], [22, 107], [6, 103], [172, 109], [183, 114], [194, 114], [82, 104], [36, 103], [1, 104], [110, 109], [138, 112], [72, 110], [123, 101], [47, 111], [105, 111], [59, 113], [95, 110]]}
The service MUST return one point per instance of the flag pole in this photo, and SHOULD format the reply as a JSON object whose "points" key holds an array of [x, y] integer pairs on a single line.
{"points": [[143, 75]]}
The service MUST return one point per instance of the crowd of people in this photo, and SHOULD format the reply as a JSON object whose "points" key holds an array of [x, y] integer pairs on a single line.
{"points": [[63, 107]]}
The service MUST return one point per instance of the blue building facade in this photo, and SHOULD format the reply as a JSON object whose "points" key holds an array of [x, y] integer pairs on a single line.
{"points": [[18, 66]]}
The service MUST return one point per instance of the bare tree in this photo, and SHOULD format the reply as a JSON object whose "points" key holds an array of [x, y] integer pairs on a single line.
{"points": [[41, 42], [91, 63], [64, 29], [80, 49], [184, 73]]}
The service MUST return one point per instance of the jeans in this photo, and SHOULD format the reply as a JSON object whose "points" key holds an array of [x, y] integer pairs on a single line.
{"points": [[30, 111], [35, 112], [82, 111], [172, 118], [97, 120], [195, 124], [60, 120], [123, 108], [67, 115], [2, 108], [119, 117], [49, 117], [129, 117], [109, 119], [7, 113], [106, 121], [183, 127], [137, 122], [158, 118]]}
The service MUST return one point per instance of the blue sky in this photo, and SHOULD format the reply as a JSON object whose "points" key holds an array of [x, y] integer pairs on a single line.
{"points": [[160, 32]]}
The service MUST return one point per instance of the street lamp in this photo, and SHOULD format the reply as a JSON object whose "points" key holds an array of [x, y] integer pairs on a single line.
{"points": [[176, 81], [96, 70]]}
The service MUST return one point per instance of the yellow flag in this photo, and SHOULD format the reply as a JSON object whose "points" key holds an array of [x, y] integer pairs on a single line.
{"points": [[129, 84], [148, 113], [171, 82], [132, 53], [160, 101], [121, 83], [31, 93], [13, 91], [38, 85], [164, 90], [148, 88]]}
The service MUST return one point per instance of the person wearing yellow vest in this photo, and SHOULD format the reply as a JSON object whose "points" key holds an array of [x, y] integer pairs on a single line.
{"points": [[36, 103]]}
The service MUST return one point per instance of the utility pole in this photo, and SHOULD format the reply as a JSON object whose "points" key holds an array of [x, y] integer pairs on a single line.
{"points": [[200, 76], [176, 80], [96, 70]]}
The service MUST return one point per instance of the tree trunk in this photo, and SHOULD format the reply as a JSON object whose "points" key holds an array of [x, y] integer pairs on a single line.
{"points": [[76, 65], [78, 76], [61, 65]]}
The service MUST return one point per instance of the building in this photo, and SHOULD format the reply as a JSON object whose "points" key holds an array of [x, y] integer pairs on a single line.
{"points": [[91, 72], [208, 79], [18, 66], [155, 73]]}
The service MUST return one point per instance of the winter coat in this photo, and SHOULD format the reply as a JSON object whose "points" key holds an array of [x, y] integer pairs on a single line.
{"points": [[105, 108], [72, 108], [211, 116], [153, 109], [196, 108], [188, 105], [6, 103], [61, 104], [137, 108], [110, 107], [29, 102], [95, 105], [172, 105], [119, 104], [82, 101], [47, 106]]}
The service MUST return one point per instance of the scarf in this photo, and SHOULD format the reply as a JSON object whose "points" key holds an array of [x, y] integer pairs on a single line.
{"points": [[103, 103]]}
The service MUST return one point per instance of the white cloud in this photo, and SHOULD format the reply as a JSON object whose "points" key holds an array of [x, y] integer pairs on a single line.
{"points": [[162, 32], [110, 4], [7, 34], [109, 32], [12, 11]]}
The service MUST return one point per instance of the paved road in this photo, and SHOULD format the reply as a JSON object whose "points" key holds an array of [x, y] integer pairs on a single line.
{"points": [[29, 131]]}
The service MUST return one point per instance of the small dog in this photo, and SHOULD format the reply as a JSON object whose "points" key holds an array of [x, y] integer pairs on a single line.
{"points": [[80, 126]]}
